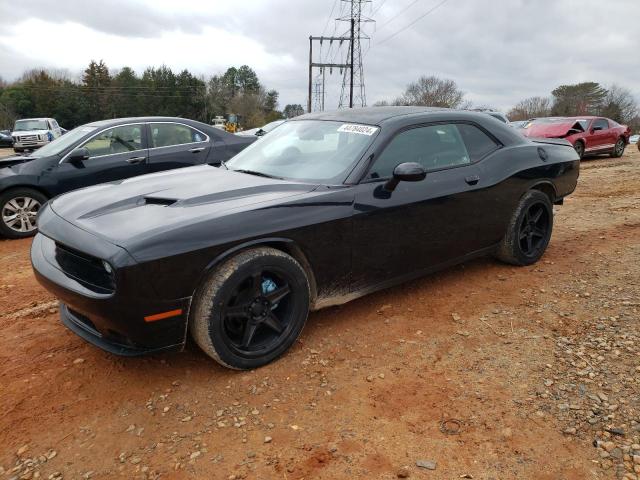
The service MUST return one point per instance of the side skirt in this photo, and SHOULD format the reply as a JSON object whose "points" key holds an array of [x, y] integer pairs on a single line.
{"points": [[321, 303]]}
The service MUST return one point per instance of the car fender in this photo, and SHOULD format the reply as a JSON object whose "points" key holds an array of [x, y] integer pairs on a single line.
{"points": [[280, 243]]}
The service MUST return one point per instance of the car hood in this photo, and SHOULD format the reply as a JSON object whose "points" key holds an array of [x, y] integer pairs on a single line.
{"points": [[29, 132], [553, 130], [130, 211], [14, 160]]}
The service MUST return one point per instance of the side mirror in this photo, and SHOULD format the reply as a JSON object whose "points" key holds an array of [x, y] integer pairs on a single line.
{"points": [[78, 155], [406, 172], [595, 129]]}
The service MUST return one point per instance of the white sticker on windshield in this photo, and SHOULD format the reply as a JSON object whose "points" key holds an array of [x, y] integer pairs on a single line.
{"points": [[361, 129]]}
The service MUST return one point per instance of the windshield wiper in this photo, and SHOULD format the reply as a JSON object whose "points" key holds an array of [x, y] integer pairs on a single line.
{"points": [[258, 174]]}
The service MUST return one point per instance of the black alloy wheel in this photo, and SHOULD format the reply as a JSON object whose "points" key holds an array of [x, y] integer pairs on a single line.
{"points": [[251, 308], [529, 230], [258, 312], [534, 229]]}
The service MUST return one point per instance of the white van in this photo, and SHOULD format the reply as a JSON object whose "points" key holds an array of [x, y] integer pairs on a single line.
{"points": [[32, 133]]}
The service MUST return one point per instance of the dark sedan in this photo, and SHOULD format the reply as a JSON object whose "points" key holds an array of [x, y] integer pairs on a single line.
{"points": [[103, 152], [324, 209], [6, 140]]}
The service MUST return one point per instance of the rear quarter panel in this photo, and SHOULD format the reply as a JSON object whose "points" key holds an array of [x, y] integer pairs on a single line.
{"points": [[513, 171]]}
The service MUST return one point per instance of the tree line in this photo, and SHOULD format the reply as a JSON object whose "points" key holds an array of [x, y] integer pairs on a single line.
{"points": [[586, 98], [100, 94]]}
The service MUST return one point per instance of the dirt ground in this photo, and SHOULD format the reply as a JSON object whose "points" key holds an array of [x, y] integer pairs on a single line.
{"points": [[478, 370]]}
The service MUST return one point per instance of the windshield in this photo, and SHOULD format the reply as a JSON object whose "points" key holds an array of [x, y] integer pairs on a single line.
{"points": [[27, 125], [62, 143], [311, 150]]}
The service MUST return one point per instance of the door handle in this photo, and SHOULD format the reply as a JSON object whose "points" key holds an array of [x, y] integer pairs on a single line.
{"points": [[197, 149], [136, 159], [472, 179]]}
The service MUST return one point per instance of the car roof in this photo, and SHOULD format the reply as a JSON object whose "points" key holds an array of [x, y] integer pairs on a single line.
{"points": [[117, 121], [369, 115]]}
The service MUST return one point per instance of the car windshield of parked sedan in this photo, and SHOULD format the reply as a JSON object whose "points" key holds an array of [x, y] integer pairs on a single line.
{"points": [[308, 150], [60, 144], [28, 125]]}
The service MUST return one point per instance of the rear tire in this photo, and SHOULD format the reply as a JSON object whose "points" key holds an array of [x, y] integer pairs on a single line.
{"points": [[18, 210], [618, 149], [579, 147], [529, 230], [251, 309]]}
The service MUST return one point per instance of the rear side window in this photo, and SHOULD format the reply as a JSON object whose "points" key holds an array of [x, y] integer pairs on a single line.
{"points": [[478, 143], [601, 123], [434, 147], [168, 134]]}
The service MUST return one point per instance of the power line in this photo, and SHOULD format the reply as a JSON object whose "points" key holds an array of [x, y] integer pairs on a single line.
{"points": [[414, 22], [329, 19], [399, 13], [375, 10]]}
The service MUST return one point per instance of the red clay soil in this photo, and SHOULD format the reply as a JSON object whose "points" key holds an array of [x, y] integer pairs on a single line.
{"points": [[449, 369]]}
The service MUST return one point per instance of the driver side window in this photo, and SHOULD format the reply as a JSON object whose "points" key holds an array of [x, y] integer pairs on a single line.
{"points": [[127, 138], [600, 124], [434, 147]]}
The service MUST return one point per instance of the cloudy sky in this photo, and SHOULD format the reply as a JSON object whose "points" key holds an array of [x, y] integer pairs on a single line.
{"points": [[498, 51]]}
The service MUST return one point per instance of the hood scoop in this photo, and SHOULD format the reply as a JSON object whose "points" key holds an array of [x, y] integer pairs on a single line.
{"points": [[128, 204], [159, 201]]}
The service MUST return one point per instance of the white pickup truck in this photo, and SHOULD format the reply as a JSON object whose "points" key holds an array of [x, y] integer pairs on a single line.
{"points": [[32, 133]]}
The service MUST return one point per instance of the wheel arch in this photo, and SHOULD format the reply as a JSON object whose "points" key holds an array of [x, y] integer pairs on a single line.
{"points": [[30, 187], [548, 188], [285, 245]]}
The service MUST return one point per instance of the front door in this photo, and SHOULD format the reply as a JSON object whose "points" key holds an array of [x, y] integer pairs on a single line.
{"points": [[601, 138], [176, 145], [114, 154], [423, 224]]}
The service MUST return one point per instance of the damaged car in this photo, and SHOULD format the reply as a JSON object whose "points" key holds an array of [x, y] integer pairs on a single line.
{"points": [[588, 135], [326, 208]]}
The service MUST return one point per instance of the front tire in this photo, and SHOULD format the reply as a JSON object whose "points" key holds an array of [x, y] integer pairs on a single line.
{"points": [[18, 150], [618, 149], [18, 210], [579, 148], [251, 309], [529, 230]]}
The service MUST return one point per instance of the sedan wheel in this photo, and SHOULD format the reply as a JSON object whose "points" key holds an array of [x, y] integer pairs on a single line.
{"points": [[19, 210], [579, 147], [251, 309], [529, 230], [618, 150]]}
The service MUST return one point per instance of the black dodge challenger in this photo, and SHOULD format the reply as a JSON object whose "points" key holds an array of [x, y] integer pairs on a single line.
{"points": [[326, 208]]}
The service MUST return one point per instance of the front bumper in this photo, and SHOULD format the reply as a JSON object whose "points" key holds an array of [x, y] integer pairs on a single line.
{"points": [[114, 321], [85, 329], [30, 144]]}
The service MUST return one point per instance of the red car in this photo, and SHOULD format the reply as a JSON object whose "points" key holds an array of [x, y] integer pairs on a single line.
{"points": [[588, 135]]}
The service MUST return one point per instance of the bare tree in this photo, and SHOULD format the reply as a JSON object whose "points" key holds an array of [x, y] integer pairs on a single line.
{"points": [[533, 107], [619, 104], [433, 92]]}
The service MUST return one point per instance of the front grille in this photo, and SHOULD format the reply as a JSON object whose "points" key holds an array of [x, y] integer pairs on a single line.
{"points": [[28, 138], [87, 270]]}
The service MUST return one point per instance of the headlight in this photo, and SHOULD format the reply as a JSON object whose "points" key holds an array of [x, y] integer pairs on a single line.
{"points": [[107, 267]]}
